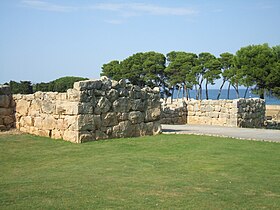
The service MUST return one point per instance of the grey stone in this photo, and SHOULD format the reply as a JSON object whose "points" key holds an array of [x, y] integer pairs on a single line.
{"points": [[136, 117], [104, 104], [109, 119], [5, 101], [113, 95], [121, 105]]}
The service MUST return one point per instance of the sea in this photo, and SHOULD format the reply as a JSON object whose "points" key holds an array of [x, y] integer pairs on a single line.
{"points": [[213, 93]]}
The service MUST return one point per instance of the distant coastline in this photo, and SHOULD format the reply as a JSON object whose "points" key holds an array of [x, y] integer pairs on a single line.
{"points": [[270, 100]]}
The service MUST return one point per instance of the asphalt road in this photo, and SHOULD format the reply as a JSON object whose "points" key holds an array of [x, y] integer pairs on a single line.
{"points": [[239, 133]]}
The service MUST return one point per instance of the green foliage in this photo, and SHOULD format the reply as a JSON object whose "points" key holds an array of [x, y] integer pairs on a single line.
{"points": [[255, 66], [255, 63], [59, 85], [140, 69], [153, 172], [23, 87], [112, 70]]}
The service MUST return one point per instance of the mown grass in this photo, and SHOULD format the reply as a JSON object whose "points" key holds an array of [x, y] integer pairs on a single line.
{"points": [[160, 172]]}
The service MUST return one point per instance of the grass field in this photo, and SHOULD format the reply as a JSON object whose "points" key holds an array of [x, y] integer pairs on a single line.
{"points": [[159, 172]]}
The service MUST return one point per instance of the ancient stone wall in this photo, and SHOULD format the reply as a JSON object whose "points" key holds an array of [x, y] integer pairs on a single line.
{"points": [[234, 113], [212, 112], [92, 110], [7, 120], [173, 113], [251, 113]]}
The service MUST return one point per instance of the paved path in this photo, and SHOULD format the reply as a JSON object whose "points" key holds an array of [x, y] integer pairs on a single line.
{"points": [[240, 133]]}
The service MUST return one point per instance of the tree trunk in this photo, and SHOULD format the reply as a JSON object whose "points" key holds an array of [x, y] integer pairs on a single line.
{"points": [[172, 92], [228, 91], [246, 92], [220, 91], [236, 90], [261, 93], [206, 89], [184, 92], [196, 92], [178, 93]]}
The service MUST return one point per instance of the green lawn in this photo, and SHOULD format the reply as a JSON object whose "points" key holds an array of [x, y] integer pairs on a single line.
{"points": [[159, 172]]}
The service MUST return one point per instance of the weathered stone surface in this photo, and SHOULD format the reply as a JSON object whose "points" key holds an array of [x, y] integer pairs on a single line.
{"points": [[5, 90], [122, 83], [86, 122], [66, 108], [121, 105], [109, 119], [152, 114], [73, 95], [71, 122], [48, 107], [104, 105], [72, 136], [8, 120], [239, 112], [5, 101], [86, 136], [6, 111], [92, 110], [22, 107], [88, 85], [113, 95], [136, 117], [100, 135], [49, 122]]}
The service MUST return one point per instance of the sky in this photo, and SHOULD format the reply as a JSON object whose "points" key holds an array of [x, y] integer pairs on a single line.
{"points": [[42, 40]]}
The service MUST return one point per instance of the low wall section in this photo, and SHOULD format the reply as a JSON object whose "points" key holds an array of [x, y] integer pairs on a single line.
{"points": [[92, 110], [234, 113], [173, 113], [7, 119]]}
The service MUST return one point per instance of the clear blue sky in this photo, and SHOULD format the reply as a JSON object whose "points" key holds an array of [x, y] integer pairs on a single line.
{"points": [[42, 40]]}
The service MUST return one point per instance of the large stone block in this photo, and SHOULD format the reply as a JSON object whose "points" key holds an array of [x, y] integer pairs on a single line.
{"points": [[136, 117], [72, 136], [71, 122], [104, 105], [113, 95], [48, 107], [67, 108], [5, 101], [86, 122], [88, 85], [6, 111], [100, 135], [109, 119], [5, 90], [73, 95], [48, 123], [121, 105], [22, 107], [152, 114]]}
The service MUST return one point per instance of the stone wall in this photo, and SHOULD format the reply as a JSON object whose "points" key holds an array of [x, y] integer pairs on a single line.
{"points": [[7, 119], [251, 113], [174, 113], [92, 110], [233, 113], [273, 112]]}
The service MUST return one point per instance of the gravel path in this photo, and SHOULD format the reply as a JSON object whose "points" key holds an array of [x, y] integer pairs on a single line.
{"points": [[239, 133]]}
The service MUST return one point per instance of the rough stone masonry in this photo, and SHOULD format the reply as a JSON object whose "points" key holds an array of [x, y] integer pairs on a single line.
{"points": [[6, 108], [92, 110], [240, 112]]}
